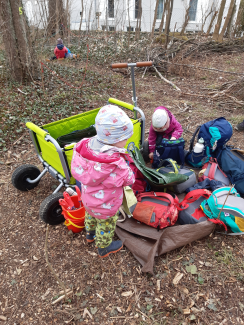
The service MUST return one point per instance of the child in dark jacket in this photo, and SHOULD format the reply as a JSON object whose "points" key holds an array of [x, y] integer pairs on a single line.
{"points": [[163, 124]]}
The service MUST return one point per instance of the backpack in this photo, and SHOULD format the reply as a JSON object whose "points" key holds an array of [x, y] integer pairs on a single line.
{"points": [[170, 166], [215, 134], [213, 172], [156, 209], [224, 206], [190, 211], [231, 161], [173, 149]]}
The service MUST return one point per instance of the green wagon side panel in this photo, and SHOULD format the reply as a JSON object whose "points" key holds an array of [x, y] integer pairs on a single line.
{"points": [[70, 124]]}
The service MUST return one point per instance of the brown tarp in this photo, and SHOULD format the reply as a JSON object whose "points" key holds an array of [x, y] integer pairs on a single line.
{"points": [[146, 242]]}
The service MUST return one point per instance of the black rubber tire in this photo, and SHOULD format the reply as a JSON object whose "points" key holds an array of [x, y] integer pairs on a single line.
{"points": [[50, 209], [20, 175], [145, 152]]}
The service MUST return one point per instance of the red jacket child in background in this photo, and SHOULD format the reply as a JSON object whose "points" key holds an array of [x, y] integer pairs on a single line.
{"points": [[60, 50]]}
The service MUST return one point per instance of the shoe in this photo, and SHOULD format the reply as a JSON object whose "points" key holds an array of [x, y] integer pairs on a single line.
{"points": [[90, 236], [114, 247], [240, 126]]}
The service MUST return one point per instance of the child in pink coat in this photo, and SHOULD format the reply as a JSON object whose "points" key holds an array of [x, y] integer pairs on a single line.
{"points": [[164, 124], [99, 164]]}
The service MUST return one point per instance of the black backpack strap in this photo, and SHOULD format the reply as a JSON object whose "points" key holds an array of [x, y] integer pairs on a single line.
{"points": [[193, 137]]}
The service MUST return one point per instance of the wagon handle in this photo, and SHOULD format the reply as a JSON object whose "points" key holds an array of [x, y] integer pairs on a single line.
{"points": [[128, 65], [36, 129]]}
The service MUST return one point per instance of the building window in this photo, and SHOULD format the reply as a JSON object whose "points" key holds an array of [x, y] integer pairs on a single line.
{"points": [[160, 9], [111, 8], [193, 10], [111, 28], [129, 28], [137, 9]]}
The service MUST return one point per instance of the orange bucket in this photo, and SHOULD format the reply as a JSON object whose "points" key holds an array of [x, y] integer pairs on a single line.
{"points": [[74, 227], [75, 218]]}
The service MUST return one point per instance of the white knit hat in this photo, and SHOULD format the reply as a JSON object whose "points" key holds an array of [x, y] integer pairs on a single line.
{"points": [[159, 118]]}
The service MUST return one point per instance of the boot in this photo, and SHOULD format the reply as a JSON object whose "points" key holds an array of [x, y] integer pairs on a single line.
{"points": [[240, 126], [90, 236], [114, 247]]}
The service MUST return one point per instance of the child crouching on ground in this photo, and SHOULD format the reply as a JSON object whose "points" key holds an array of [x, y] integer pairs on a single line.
{"points": [[99, 164], [62, 52], [164, 125]]}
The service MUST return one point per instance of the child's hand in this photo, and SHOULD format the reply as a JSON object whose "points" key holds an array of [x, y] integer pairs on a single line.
{"points": [[172, 138], [151, 155]]}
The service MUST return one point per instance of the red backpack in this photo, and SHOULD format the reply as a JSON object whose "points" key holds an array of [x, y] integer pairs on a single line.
{"points": [[213, 172], [156, 209], [190, 211]]}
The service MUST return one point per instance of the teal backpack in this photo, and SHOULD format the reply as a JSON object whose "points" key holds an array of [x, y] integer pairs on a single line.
{"points": [[225, 206]]}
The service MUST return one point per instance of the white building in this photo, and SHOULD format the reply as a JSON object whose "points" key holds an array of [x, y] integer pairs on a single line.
{"points": [[120, 14]]}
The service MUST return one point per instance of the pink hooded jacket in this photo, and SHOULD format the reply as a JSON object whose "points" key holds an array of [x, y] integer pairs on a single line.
{"points": [[102, 177], [174, 130]]}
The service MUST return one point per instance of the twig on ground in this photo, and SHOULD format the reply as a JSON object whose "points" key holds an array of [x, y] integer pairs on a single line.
{"points": [[86, 312], [21, 91], [51, 268], [62, 297], [166, 80], [144, 72]]}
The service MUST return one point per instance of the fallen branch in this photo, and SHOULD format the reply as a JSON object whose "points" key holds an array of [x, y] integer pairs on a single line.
{"points": [[51, 268], [202, 68], [166, 80]]}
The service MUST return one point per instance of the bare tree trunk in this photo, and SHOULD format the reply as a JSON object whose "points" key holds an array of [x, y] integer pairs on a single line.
{"points": [[129, 22], [229, 30], [57, 17], [185, 22], [154, 19], [206, 17], [81, 16], [220, 16], [239, 25], [162, 19], [89, 16], [15, 31], [227, 19], [211, 23], [138, 22], [168, 19]]}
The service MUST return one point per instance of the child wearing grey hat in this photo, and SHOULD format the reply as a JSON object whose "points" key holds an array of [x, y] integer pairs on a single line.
{"points": [[99, 165]]}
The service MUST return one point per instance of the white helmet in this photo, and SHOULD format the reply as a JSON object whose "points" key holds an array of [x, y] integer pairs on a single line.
{"points": [[159, 118]]}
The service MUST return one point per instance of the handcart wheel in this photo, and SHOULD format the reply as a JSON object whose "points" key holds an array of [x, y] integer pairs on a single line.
{"points": [[145, 152], [50, 210], [21, 174]]}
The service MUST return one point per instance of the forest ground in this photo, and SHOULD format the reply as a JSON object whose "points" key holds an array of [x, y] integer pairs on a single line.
{"points": [[114, 290]]}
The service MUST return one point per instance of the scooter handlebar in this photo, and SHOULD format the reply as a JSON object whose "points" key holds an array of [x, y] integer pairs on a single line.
{"points": [[119, 65], [137, 64], [144, 64]]}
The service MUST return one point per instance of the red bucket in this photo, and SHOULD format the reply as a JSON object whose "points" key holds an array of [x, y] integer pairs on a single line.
{"points": [[75, 218]]}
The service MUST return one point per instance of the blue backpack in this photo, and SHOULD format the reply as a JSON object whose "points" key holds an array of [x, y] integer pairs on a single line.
{"points": [[215, 134], [173, 149], [231, 161]]}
